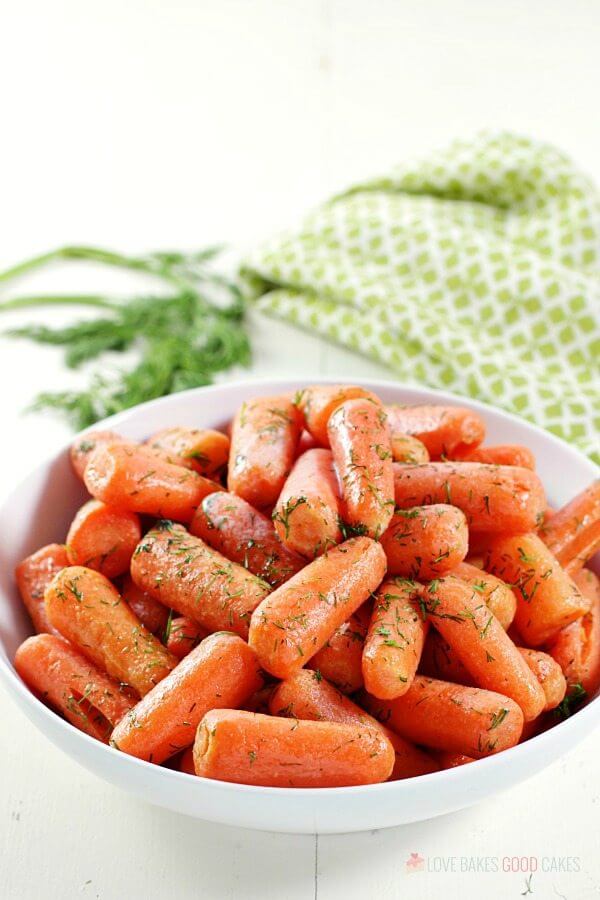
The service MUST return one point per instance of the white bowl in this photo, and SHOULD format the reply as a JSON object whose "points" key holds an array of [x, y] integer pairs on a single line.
{"points": [[39, 511]]}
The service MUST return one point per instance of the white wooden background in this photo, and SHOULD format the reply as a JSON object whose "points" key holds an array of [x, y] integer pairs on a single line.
{"points": [[160, 123]]}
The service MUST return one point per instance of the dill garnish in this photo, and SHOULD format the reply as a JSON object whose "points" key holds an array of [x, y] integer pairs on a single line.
{"points": [[183, 338]]}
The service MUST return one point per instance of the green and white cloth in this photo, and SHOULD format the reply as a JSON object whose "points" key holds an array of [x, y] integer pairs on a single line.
{"points": [[476, 270]]}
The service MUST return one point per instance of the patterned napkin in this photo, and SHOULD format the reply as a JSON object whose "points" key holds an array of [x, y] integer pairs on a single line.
{"points": [[475, 270]]}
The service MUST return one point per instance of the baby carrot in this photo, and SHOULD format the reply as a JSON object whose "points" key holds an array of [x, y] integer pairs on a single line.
{"points": [[493, 498], [245, 536], [33, 575], [250, 748], [135, 479], [360, 443], [497, 595], [340, 659], [149, 611], [206, 451], [451, 717], [296, 620], [309, 696], [407, 449], [425, 541], [307, 513], [549, 675], [395, 639], [85, 607], [443, 429], [547, 598], [103, 537], [61, 676], [318, 403], [573, 533], [190, 577], [481, 644], [576, 648], [84, 446], [221, 672], [264, 438], [502, 455], [183, 634]]}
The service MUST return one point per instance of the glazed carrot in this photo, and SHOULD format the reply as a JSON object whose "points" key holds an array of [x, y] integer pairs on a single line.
{"points": [[188, 576], [407, 449], [547, 598], [33, 575], [245, 536], [493, 498], [61, 676], [443, 429], [250, 748], [451, 717], [296, 620], [308, 696], [183, 635], [84, 446], [85, 607], [186, 763], [573, 533], [501, 455], [395, 639], [149, 611], [478, 639], [360, 444], [318, 403], [103, 537], [576, 648], [264, 438], [449, 760], [135, 479], [307, 513], [549, 675], [205, 450], [340, 659], [425, 541], [497, 595], [221, 672]]}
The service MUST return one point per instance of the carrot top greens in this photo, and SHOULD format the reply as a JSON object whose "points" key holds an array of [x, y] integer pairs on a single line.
{"points": [[183, 337]]}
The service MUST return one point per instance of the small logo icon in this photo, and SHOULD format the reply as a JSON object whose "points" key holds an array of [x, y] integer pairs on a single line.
{"points": [[415, 863]]}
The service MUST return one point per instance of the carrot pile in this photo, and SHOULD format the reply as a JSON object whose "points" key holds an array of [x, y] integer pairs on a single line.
{"points": [[338, 593]]}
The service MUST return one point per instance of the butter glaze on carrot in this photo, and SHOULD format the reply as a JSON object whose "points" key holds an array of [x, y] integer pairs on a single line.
{"points": [[133, 478], [86, 609], [251, 748], [493, 498], [187, 575], [220, 672], [295, 621], [33, 575]]}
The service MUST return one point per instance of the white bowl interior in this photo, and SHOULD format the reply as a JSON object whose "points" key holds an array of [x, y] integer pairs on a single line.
{"points": [[40, 510]]}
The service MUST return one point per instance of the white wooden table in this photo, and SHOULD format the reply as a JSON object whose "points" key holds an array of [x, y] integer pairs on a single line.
{"points": [[176, 124]]}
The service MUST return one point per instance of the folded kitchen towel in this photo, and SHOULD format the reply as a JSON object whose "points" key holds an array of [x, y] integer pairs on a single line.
{"points": [[476, 269]]}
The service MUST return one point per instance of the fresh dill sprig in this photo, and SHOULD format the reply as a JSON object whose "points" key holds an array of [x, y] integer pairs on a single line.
{"points": [[183, 338]]}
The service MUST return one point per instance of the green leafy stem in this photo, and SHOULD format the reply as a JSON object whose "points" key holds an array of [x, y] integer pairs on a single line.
{"points": [[183, 337]]}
